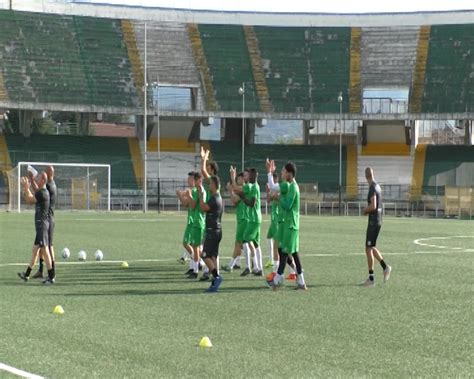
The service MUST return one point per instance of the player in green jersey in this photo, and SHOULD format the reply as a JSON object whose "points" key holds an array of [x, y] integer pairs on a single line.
{"points": [[272, 229], [189, 222], [250, 195], [289, 236]]}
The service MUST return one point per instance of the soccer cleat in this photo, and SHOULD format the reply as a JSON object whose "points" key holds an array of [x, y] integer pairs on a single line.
{"points": [[237, 267], [258, 273], [245, 272], [38, 275], [192, 275], [302, 287], [190, 271], [215, 284], [270, 276], [368, 283], [181, 260], [226, 268], [205, 277], [386, 273], [49, 281], [269, 264], [23, 276], [291, 277]]}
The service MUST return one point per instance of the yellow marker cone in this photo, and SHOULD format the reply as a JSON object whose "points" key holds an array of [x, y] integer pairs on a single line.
{"points": [[58, 310], [124, 264], [205, 342]]}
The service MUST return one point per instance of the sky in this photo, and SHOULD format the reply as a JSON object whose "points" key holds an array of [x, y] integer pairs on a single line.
{"points": [[314, 6]]}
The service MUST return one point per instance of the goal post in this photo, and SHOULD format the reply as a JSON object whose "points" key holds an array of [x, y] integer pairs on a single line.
{"points": [[81, 186]]}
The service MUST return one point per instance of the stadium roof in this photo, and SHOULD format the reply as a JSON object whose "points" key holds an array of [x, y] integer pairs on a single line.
{"points": [[242, 17]]}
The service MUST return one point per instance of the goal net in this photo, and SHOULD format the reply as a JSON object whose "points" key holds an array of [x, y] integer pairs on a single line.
{"points": [[80, 186]]}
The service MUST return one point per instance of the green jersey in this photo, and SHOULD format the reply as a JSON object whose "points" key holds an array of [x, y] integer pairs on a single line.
{"points": [[199, 217], [194, 193], [242, 211], [252, 190], [275, 211], [284, 187], [290, 205]]}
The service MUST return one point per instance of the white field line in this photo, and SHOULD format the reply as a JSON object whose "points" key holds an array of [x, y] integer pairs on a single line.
{"points": [[336, 255], [18, 372], [424, 242]]}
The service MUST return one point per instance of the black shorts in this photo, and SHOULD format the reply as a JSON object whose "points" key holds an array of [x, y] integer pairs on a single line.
{"points": [[42, 231], [51, 231], [211, 243], [373, 231]]}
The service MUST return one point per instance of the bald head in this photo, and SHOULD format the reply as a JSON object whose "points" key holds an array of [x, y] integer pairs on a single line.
{"points": [[369, 174], [49, 172]]}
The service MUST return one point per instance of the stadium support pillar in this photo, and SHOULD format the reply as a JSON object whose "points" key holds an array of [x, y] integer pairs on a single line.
{"points": [[306, 132], [139, 126], [469, 135], [26, 120], [83, 120], [232, 128], [414, 134]]}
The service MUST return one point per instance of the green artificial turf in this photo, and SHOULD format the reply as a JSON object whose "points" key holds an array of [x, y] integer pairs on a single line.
{"points": [[147, 320]]}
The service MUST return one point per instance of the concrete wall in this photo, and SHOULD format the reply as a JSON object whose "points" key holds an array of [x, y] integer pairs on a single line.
{"points": [[386, 132]]}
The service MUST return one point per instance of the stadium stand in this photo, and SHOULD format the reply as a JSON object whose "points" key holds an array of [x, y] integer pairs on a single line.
{"points": [[73, 149], [388, 56], [65, 59], [169, 52], [388, 169], [316, 164], [444, 161], [305, 67], [229, 65], [449, 81]]}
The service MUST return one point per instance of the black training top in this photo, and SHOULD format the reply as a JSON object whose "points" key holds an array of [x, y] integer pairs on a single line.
{"points": [[42, 205], [375, 217], [214, 215], [52, 189]]}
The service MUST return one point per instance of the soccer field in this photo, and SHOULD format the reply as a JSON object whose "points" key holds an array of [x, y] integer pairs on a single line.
{"points": [[147, 320]]}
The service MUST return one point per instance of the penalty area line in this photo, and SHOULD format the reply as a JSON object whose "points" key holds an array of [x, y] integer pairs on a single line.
{"points": [[18, 372]]}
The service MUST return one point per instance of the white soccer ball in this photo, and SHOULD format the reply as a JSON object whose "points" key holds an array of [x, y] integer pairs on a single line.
{"points": [[99, 255], [82, 256], [66, 253]]}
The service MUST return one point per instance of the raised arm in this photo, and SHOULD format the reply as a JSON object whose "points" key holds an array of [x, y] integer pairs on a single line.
{"points": [[183, 197], [235, 187], [204, 159], [39, 181], [27, 194], [273, 187]]}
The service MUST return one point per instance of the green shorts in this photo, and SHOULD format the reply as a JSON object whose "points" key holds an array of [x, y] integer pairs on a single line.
{"points": [[239, 233], [252, 232], [272, 230], [197, 235], [279, 232], [290, 243], [187, 235]]}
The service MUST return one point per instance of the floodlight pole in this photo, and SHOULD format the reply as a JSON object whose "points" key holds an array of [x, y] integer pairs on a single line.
{"points": [[157, 111], [242, 93], [145, 126], [339, 100]]}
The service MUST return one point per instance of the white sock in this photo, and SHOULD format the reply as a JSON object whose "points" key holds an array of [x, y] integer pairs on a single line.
{"points": [[270, 249], [277, 279], [217, 263], [184, 255], [232, 262], [276, 264], [255, 263], [300, 279], [258, 253], [247, 255], [195, 266], [205, 269], [191, 264], [237, 259]]}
